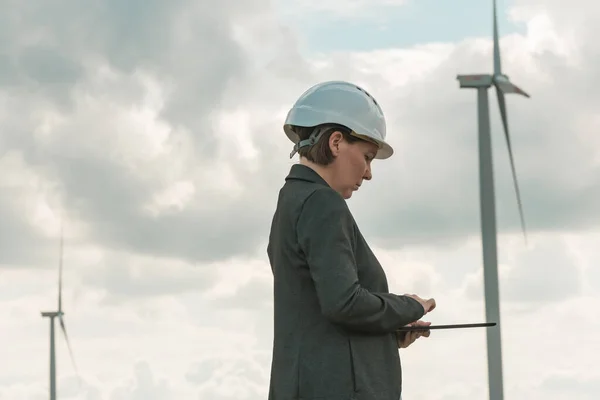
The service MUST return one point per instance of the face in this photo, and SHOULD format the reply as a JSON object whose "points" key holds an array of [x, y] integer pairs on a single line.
{"points": [[352, 163]]}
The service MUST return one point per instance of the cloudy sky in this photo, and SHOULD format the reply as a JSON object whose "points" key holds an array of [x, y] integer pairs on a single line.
{"points": [[154, 130]]}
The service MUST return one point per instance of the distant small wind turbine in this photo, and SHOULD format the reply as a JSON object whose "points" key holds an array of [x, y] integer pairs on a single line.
{"points": [[482, 82], [57, 314]]}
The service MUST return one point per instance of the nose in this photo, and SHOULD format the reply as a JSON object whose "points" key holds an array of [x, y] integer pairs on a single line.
{"points": [[368, 175]]}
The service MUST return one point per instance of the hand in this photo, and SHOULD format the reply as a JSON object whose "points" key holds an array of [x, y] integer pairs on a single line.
{"points": [[428, 304], [405, 339]]}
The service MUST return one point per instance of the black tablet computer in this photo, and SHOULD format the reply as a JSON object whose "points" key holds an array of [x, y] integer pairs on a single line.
{"points": [[450, 326]]}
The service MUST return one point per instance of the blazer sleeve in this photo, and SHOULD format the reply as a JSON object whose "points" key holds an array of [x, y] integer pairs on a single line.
{"points": [[325, 230]]}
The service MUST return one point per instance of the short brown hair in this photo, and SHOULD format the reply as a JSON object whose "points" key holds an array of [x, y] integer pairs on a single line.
{"points": [[320, 153]]}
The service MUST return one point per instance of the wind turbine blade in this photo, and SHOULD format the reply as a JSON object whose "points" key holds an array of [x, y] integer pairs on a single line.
{"points": [[502, 105], [60, 267], [507, 87], [497, 61], [64, 330]]}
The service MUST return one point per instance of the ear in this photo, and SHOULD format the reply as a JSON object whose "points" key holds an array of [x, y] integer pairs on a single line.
{"points": [[335, 140]]}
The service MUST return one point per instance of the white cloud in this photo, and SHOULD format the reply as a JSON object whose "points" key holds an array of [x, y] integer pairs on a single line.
{"points": [[163, 147], [337, 8]]}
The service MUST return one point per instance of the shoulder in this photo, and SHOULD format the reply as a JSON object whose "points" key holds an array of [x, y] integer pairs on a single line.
{"points": [[325, 211], [325, 221], [325, 200]]}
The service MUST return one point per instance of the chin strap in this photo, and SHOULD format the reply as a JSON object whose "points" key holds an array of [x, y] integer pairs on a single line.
{"points": [[312, 139]]}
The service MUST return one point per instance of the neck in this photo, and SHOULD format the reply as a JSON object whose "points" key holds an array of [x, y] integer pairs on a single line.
{"points": [[323, 172]]}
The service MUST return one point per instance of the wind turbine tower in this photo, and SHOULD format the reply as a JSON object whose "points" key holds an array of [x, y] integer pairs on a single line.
{"points": [[503, 85], [57, 314]]}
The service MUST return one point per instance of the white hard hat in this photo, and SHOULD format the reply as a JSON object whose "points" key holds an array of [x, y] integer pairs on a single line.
{"points": [[343, 103]]}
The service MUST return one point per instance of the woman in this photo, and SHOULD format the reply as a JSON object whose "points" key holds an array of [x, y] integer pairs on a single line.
{"points": [[335, 320]]}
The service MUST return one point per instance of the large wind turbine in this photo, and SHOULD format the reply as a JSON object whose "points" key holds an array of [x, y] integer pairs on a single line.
{"points": [[57, 314], [482, 82]]}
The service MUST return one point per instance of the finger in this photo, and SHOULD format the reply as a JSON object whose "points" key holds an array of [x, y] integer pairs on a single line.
{"points": [[404, 342], [432, 304], [427, 332], [414, 336], [401, 337]]}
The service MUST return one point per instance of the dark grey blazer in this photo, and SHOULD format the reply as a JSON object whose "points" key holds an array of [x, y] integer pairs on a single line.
{"points": [[335, 320]]}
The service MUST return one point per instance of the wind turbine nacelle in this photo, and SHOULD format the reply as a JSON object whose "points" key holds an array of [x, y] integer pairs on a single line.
{"points": [[475, 81], [501, 78], [51, 314]]}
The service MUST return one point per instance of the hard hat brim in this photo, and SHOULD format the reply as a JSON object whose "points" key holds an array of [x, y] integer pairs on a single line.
{"points": [[385, 150]]}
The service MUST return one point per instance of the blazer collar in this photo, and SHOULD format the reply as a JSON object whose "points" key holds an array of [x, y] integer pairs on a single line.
{"points": [[305, 173]]}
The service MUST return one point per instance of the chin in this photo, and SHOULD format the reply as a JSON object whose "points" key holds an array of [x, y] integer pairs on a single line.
{"points": [[347, 194]]}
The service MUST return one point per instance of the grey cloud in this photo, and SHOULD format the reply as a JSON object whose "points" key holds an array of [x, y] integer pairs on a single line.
{"points": [[428, 193], [18, 238], [122, 280], [21, 245], [540, 274], [430, 189], [47, 67], [253, 301], [180, 42], [592, 271], [254, 295], [187, 46]]}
